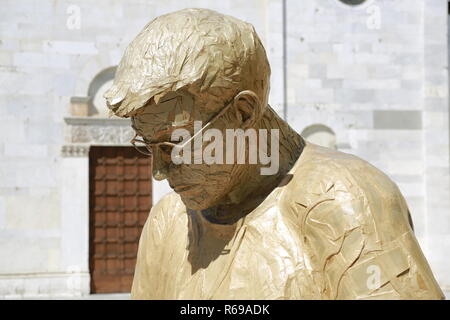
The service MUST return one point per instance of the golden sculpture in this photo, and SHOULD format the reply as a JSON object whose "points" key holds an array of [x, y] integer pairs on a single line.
{"points": [[324, 225]]}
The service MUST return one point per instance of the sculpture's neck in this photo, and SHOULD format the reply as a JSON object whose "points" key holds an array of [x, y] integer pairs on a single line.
{"points": [[253, 187]]}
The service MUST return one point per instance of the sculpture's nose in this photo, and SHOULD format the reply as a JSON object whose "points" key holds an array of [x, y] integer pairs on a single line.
{"points": [[160, 167], [159, 175]]}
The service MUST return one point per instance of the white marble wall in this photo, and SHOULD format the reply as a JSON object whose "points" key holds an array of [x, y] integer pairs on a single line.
{"points": [[436, 139], [49, 52], [359, 71], [375, 74]]}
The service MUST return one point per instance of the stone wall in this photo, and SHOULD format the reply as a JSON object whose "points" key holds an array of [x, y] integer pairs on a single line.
{"points": [[51, 51], [376, 74], [436, 140], [359, 71]]}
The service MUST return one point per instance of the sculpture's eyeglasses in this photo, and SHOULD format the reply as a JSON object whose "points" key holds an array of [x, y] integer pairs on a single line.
{"points": [[166, 147]]}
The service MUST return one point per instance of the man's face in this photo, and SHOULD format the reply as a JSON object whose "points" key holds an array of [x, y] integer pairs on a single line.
{"points": [[199, 185]]}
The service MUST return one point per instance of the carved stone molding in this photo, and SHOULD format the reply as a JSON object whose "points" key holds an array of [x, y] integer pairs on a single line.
{"points": [[98, 131], [91, 121], [75, 150]]}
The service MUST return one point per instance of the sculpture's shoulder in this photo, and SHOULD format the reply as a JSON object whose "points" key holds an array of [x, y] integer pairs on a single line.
{"points": [[168, 208], [320, 164], [347, 182], [354, 228], [156, 245], [164, 216]]}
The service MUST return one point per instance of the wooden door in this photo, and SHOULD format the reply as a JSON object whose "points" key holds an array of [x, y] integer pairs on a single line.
{"points": [[120, 200]]}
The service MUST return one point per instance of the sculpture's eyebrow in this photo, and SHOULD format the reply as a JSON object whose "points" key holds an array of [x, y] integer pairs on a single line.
{"points": [[168, 99], [165, 135]]}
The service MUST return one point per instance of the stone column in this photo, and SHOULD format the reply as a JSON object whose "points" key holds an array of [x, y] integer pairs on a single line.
{"points": [[436, 140], [75, 217]]}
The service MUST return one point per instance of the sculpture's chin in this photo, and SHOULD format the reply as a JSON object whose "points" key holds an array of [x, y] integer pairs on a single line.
{"points": [[196, 203], [202, 197]]}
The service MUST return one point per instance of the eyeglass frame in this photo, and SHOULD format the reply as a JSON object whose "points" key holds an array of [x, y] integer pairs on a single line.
{"points": [[149, 146]]}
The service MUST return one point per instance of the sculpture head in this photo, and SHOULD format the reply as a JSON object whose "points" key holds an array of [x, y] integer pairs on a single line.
{"points": [[187, 66]]}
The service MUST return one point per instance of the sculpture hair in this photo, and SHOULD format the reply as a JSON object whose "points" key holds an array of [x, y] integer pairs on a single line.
{"points": [[189, 47]]}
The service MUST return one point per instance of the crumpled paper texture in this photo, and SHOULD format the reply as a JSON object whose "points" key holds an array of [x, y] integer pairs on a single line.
{"points": [[151, 68], [314, 237]]}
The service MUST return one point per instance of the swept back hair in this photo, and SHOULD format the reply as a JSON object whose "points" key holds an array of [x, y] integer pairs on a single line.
{"points": [[189, 47]]}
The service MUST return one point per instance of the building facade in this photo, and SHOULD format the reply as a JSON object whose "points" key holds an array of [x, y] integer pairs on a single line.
{"points": [[366, 77]]}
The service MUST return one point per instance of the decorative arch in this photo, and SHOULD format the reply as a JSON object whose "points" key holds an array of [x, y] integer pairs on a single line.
{"points": [[353, 2], [321, 135], [100, 78], [90, 102], [87, 72], [98, 85]]}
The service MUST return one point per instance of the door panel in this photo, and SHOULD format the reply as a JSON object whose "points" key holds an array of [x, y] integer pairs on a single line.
{"points": [[120, 189]]}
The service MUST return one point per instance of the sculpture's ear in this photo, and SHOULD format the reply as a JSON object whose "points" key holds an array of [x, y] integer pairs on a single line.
{"points": [[248, 108]]}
